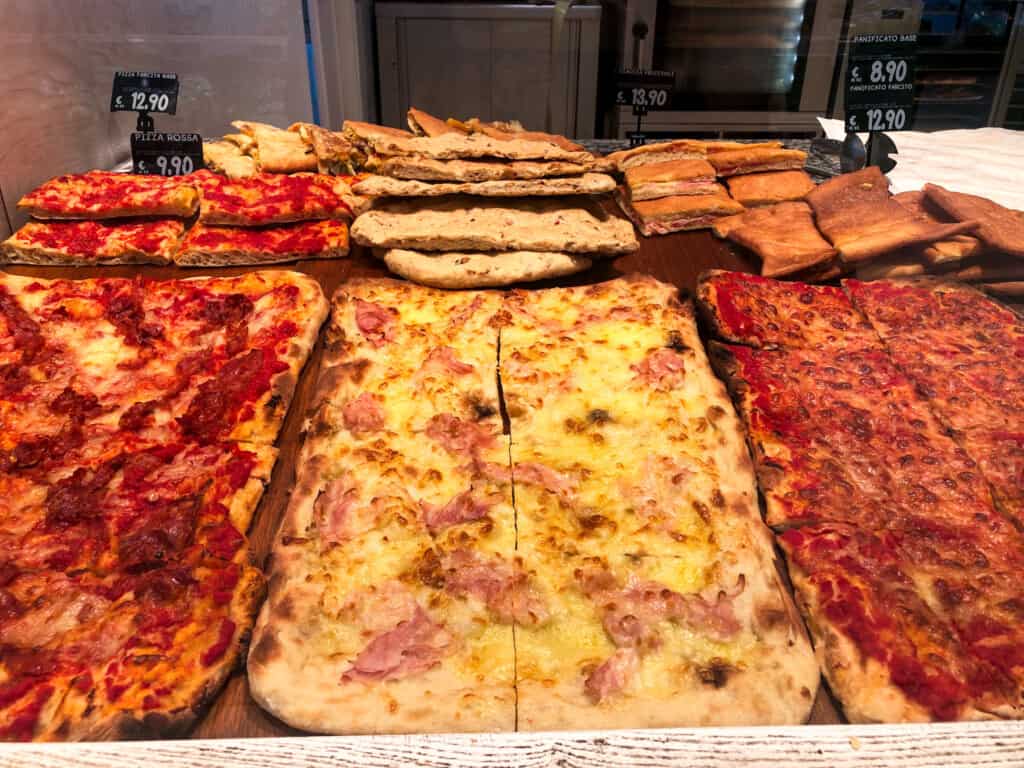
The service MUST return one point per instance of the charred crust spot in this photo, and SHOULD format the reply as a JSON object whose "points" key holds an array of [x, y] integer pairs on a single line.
{"points": [[703, 511], [716, 673], [355, 370], [718, 499], [675, 342], [715, 412], [265, 650], [770, 617], [275, 401], [480, 408], [590, 523], [284, 609], [284, 385], [598, 416], [574, 426], [429, 570]]}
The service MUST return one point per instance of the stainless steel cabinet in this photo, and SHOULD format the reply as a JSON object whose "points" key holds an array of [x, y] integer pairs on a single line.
{"points": [[741, 65], [490, 61]]}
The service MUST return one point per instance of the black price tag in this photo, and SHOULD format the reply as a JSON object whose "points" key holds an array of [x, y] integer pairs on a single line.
{"points": [[166, 154], [880, 82], [144, 92], [636, 138], [644, 90]]}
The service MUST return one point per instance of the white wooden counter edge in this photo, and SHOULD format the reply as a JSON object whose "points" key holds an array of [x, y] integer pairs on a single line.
{"points": [[990, 744]]}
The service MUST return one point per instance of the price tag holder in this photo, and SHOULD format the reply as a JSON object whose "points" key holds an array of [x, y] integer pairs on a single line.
{"points": [[880, 82], [644, 90], [144, 92], [166, 154]]}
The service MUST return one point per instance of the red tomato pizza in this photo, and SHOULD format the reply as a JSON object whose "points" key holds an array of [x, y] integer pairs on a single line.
{"points": [[138, 421], [109, 195]]}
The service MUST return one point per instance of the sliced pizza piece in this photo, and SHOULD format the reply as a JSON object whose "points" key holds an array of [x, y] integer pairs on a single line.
{"points": [[189, 633], [887, 655], [214, 246], [199, 360], [271, 198], [121, 656], [138, 508], [108, 195], [93, 242], [841, 436], [747, 309], [1000, 456], [898, 307], [395, 589], [662, 642], [622, 439]]}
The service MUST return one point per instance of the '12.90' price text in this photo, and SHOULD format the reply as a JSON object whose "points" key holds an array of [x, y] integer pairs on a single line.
{"points": [[148, 102], [878, 120]]}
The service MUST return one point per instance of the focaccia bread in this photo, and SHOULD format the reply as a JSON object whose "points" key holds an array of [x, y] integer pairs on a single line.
{"points": [[769, 188], [278, 150], [1001, 229], [427, 169], [757, 159], [227, 157], [481, 270], [471, 224], [334, 153], [451, 146], [857, 215], [587, 184], [660, 152]]}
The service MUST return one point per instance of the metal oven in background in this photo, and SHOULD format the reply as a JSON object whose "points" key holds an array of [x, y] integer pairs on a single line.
{"points": [[742, 66]]}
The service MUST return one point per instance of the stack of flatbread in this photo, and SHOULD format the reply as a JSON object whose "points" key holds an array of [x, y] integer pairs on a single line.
{"points": [[262, 148], [464, 204], [672, 186]]}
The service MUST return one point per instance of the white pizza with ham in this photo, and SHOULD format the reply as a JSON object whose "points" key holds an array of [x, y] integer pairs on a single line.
{"points": [[627, 581]]}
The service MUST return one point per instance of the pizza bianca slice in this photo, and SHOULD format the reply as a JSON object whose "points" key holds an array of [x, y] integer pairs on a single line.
{"points": [[271, 198], [108, 195], [747, 309], [661, 641], [394, 629], [395, 589], [622, 439], [93, 242], [195, 360], [221, 246], [887, 655]]}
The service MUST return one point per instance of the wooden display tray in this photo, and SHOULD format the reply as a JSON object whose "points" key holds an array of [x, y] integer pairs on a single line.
{"points": [[234, 718]]}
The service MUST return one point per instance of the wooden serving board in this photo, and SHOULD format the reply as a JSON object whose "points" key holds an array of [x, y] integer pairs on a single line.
{"points": [[678, 258]]}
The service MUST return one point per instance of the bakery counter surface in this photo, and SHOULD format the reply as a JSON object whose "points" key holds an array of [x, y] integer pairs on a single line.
{"points": [[234, 717]]}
